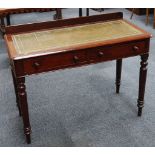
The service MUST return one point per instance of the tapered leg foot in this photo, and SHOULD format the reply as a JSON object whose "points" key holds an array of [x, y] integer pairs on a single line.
{"points": [[28, 135], [28, 139], [118, 74], [142, 82], [139, 111], [117, 89]]}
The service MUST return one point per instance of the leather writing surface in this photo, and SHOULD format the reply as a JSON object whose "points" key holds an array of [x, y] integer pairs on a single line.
{"points": [[27, 43]]}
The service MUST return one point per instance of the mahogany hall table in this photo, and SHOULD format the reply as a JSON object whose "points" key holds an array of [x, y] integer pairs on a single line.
{"points": [[49, 46]]}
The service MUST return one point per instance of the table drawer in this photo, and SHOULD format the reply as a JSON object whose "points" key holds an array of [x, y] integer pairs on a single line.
{"points": [[54, 61], [117, 51]]}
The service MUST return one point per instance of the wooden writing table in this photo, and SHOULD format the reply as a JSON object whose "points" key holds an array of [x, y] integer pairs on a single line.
{"points": [[49, 46]]}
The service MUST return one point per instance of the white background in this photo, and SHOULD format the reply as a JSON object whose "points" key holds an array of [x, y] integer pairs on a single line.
{"points": [[78, 3]]}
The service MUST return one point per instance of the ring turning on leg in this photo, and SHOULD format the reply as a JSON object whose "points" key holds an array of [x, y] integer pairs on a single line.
{"points": [[142, 82]]}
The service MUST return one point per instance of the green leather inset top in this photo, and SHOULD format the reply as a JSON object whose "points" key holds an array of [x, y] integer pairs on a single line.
{"points": [[27, 43]]}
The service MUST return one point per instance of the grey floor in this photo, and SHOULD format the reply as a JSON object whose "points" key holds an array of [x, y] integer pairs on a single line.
{"points": [[79, 107]]}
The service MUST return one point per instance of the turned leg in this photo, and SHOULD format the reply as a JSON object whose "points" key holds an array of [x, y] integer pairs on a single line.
{"points": [[80, 12], [15, 87], [118, 74], [8, 20], [21, 88], [87, 11], [142, 82]]}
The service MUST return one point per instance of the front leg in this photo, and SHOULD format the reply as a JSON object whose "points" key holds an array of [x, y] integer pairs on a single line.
{"points": [[21, 88], [142, 82]]}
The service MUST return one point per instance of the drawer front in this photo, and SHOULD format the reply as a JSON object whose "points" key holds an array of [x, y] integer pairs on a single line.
{"points": [[117, 51], [54, 61]]}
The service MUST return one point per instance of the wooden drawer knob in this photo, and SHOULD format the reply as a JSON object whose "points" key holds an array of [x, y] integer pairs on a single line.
{"points": [[100, 54], [135, 48], [76, 59], [36, 65]]}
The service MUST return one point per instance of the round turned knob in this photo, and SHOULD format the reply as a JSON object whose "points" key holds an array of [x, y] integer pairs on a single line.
{"points": [[76, 59], [135, 48], [100, 54], [36, 65]]}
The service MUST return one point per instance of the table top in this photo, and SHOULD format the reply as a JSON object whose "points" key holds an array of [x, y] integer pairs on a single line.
{"points": [[88, 34], [28, 43]]}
